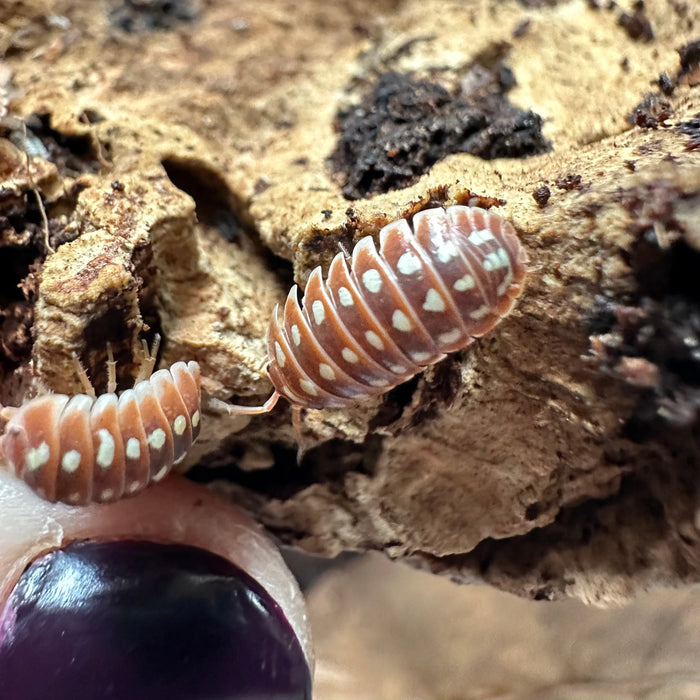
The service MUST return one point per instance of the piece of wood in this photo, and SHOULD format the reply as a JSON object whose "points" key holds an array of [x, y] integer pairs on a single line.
{"points": [[555, 457]]}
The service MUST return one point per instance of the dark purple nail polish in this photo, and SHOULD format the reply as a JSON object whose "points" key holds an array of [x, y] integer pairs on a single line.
{"points": [[138, 620]]}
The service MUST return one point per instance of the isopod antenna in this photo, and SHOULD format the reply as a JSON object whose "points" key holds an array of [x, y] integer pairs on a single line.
{"points": [[238, 410]]}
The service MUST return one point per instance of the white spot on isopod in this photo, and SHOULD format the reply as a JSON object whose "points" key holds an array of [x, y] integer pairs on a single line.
{"points": [[480, 312], [374, 340], [296, 336], [73, 498], [349, 356], [400, 321], [309, 387], [195, 419], [506, 283], [326, 371], [378, 382], [180, 425], [420, 356], [464, 283], [449, 337], [433, 301], [345, 296], [107, 495], [37, 457], [105, 450], [156, 439], [494, 261], [408, 263], [446, 251], [133, 447], [479, 237], [279, 354], [134, 486], [372, 280], [318, 311], [70, 461], [396, 369]]}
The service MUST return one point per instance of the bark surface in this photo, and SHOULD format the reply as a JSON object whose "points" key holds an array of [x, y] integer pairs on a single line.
{"points": [[193, 158]]}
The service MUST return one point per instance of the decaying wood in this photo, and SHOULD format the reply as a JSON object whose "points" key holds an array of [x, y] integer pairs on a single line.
{"points": [[184, 163]]}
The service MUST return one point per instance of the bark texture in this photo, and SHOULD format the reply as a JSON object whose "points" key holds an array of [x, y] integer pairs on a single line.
{"points": [[193, 158]]}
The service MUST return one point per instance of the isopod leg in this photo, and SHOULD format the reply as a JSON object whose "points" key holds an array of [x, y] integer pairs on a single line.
{"points": [[298, 427], [84, 379], [236, 410], [111, 371], [148, 360], [6, 412], [296, 421]]}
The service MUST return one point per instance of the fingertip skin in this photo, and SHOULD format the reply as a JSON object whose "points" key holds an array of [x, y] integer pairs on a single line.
{"points": [[175, 511]]}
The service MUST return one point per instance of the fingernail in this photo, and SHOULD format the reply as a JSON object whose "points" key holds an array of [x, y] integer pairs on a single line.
{"points": [[132, 619]]}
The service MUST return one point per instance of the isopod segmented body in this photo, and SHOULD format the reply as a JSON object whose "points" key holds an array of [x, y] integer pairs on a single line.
{"points": [[426, 292], [83, 449]]}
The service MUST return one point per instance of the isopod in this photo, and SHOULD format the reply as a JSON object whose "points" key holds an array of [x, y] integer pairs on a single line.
{"points": [[427, 292], [85, 449]]}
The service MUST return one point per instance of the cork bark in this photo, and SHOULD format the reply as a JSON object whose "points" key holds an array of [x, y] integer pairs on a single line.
{"points": [[184, 157]]}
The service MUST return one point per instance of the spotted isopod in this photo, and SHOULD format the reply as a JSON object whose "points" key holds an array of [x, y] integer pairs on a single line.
{"points": [[84, 449], [428, 291]]}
